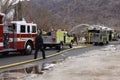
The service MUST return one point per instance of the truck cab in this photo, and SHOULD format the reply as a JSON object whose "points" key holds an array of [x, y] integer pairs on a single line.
{"points": [[19, 36], [57, 39], [97, 36]]}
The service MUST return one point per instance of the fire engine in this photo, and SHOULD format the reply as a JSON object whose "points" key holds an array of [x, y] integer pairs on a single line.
{"points": [[57, 38], [97, 35], [17, 36], [114, 36]]}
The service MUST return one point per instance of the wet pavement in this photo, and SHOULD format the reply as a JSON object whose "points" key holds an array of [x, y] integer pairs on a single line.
{"points": [[29, 72], [33, 70]]}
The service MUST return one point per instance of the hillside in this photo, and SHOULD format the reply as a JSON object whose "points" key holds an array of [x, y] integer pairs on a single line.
{"points": [[73, 12]]}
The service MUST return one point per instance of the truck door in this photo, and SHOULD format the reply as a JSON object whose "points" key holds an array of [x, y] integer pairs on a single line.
{"points": [[68, 38], [12, 36], [65, 37], [29, 31], [6, 40]]}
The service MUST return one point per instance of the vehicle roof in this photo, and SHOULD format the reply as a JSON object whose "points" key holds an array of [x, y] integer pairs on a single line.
{"points": [[23, 22]]}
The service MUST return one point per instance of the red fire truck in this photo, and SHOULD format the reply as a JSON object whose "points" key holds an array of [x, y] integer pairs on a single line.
{"points": [[17, 36]]}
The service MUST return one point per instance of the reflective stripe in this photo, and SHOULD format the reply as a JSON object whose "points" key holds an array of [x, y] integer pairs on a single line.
{"points": [[1, 24], [21, 39]]}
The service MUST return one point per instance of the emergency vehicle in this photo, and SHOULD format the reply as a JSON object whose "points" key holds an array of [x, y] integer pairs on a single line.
{"points": [[97, 35], [17, 36], [57, 38], [114, 36]]}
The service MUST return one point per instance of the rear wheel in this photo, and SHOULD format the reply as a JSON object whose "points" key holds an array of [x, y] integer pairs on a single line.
{"points": [[107, 42], [71, 45], [28, 49], [44, 46], [59, 47], [5, 53], [101, 43], [96, 43]]}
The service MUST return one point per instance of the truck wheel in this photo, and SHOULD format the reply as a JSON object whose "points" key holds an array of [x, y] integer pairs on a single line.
{"points": [[28, 49], [107, 42], [44, 47], [101, 43], [5, 53], [96, 43], [71, 45], [59, 47]]}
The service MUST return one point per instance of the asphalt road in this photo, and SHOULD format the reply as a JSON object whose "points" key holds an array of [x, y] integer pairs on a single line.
{"points": [[15, 58]]}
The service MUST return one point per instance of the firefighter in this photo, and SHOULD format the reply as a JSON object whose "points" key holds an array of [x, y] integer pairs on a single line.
{"points": [[75, 39], [39, 45]]}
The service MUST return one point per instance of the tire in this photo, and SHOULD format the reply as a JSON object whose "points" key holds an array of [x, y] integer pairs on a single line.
{"points": [[101, 43], [5, 53], [59, 47], [71, 45], [96, 43], [107, 42], [28, 49], [44, 47]]}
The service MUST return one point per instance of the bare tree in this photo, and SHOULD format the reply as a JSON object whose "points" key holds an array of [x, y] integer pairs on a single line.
{"points": [[6, 7], [40, 15], [30, 11]]}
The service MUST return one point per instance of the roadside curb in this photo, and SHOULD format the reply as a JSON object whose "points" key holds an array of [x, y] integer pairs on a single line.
{"points": [[33, 60]]}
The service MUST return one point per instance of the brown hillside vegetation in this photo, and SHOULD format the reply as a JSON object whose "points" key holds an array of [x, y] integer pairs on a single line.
{"points": [[73, 12]]}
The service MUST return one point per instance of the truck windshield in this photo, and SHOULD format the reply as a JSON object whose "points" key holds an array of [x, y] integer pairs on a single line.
{"points": [[34, 29], [12, 27]]}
